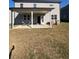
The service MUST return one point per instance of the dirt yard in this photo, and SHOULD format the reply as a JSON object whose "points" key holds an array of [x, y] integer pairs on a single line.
{"points": [[40, 43]]}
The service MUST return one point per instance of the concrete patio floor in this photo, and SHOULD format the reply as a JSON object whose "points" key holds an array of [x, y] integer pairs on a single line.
{"points": [[31, 26]]}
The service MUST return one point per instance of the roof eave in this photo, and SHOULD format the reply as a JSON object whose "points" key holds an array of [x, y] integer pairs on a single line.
{"points": [[40, 2]]}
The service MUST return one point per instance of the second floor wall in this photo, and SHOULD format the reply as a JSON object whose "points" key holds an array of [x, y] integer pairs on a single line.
{"points": [[36, 5]]}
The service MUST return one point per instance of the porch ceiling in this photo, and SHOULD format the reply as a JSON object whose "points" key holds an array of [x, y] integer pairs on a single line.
{"points": [[24, 11], [28, 10]]}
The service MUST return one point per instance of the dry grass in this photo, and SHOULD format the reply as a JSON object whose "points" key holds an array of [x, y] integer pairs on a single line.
{"points": [[40, 43]]}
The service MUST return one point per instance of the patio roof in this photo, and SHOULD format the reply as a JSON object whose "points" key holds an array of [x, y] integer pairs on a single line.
{"points": [[28, 10], [38, 1], [13, 8]]}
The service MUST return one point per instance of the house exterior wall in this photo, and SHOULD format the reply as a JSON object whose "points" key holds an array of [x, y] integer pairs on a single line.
{"points": [[55, 11], [18, 16], [37, 5]]}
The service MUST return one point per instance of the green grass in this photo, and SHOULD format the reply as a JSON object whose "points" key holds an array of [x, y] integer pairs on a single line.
{"points": [[41, 43]]}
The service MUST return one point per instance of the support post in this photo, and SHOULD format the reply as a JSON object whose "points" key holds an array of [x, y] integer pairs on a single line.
{"points": [[32, 18], [12, 19], [51, 23]]}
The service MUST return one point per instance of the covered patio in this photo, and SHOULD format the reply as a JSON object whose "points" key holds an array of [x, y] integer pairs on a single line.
{"points": [[29, 17]]}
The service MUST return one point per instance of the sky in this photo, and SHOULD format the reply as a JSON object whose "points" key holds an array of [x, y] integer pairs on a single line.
{"points": [[62, 4]]}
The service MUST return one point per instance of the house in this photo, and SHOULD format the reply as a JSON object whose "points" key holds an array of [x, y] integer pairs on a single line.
{"points": [[35, 12]]}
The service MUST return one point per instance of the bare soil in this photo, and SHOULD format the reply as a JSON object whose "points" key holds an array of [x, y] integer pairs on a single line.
{"points": [[40, 43]]}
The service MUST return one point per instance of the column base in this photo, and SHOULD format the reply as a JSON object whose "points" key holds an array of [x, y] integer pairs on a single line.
{"points": [[58, 22]]}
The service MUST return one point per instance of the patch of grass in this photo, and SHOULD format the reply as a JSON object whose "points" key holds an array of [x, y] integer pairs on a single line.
{"points": [[41, 43], [38, 56]]}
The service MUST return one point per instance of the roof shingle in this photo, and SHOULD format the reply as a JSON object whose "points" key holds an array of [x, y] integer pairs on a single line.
{"points": [[38, 1]]}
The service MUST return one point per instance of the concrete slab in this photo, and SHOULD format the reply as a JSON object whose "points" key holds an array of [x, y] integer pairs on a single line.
{"points": [[31, 26]]}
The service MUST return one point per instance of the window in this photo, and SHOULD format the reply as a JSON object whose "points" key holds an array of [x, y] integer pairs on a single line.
{"points": [[34, 5], [54, 16], [51, 5], [24, 17], [21, 5], [28, 17]]}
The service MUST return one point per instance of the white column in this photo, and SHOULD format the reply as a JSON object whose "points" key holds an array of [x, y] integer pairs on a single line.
{"points": [[32, 18], [12, 19], [51, 23]]}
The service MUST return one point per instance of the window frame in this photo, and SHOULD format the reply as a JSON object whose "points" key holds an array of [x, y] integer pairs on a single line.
{"points": [[53, 17], [21, 5], [28, 17], [24, 17]]}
